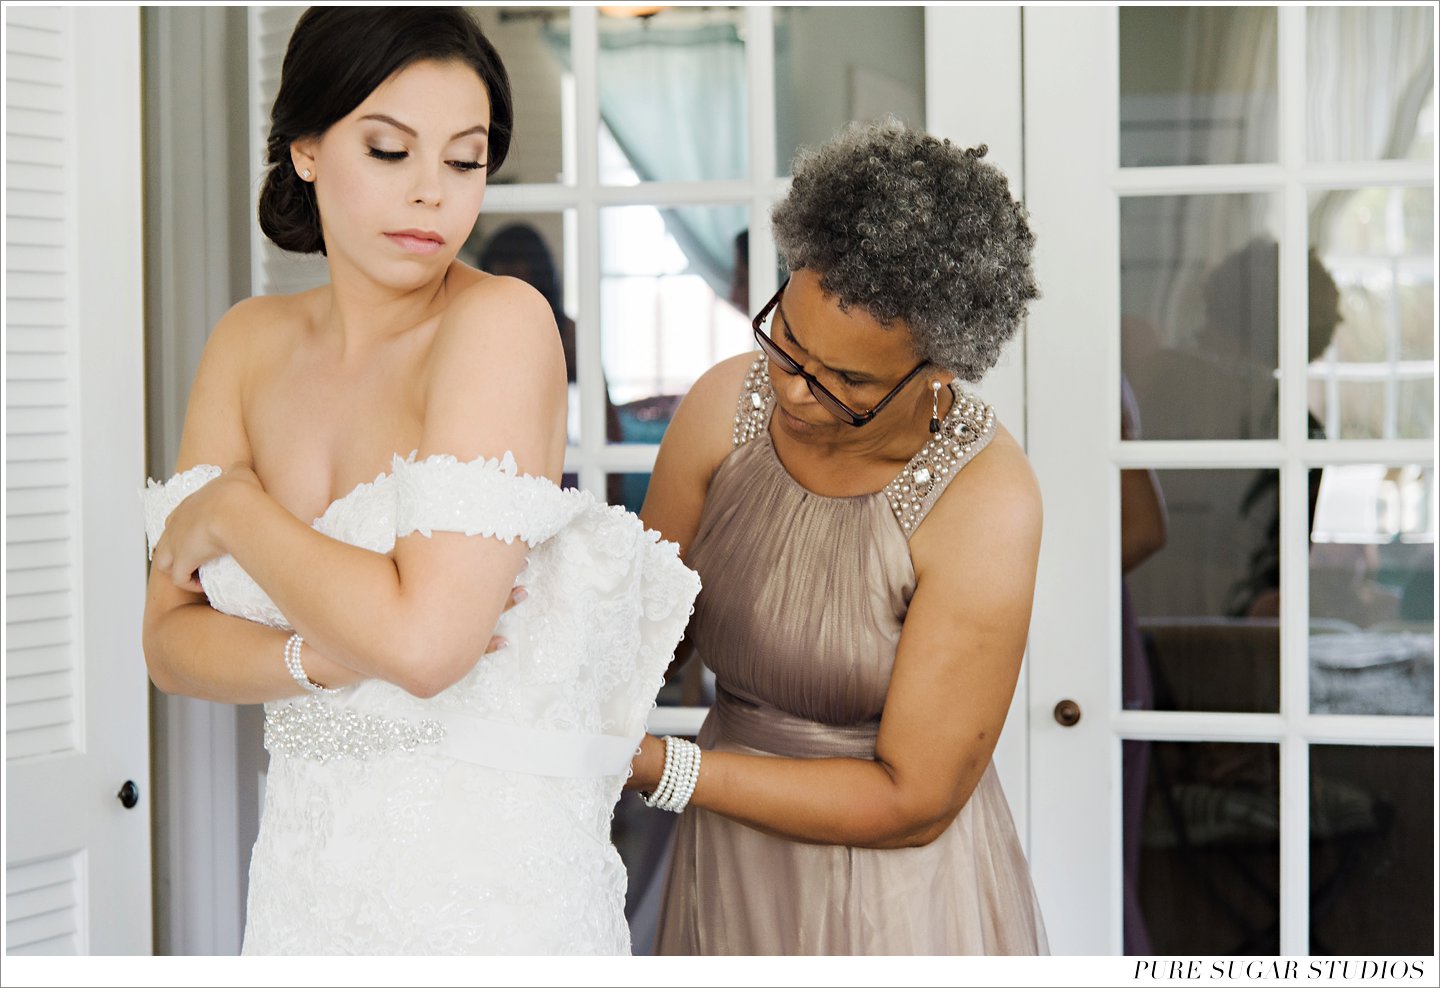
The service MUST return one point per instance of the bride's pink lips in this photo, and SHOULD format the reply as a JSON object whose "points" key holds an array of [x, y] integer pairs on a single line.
{"points": [[417, 241]]}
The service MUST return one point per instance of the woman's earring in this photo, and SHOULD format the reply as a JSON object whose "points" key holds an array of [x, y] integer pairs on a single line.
{"points": [[935, 407], [305, 174]]}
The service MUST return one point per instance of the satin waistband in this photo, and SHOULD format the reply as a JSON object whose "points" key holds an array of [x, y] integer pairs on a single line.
{"points": [[317, 730], [770, 729], [514, 748]]}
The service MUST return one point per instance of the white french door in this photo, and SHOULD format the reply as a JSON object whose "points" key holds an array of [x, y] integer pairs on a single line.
{"points": [[1232, 722], [77, 785]]}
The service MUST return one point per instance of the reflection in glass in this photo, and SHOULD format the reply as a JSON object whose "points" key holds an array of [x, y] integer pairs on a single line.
{"points": [[1200, 314], [1372, 869], [627, 489], [1375, 378], [1369, 74], [534, 44], [1202, 842], [673, 94], [666, 317], [1197, 85], [836, 64], [532, 247], [1207, 605], [1372, 587]]}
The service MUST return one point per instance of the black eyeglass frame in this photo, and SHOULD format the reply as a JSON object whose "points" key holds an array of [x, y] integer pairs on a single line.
{"points": [[822, 394]]}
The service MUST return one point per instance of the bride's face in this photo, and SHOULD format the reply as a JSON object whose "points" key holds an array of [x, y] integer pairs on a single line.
{"points": [[399, 181]]}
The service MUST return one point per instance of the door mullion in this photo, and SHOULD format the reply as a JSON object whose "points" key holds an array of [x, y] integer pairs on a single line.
{"points": [[1294, 494], [589, 374]]}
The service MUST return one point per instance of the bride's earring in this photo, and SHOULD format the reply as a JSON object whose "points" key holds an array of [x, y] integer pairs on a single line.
{"points": [[305, 174], [935, 407]]}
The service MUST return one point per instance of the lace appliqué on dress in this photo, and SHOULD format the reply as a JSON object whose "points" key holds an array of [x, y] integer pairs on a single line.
{"points": [[479, 497], [160, 499]]}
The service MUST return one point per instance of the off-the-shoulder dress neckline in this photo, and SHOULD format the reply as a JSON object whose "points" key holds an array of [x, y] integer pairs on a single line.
{"points": [[505, 464]]}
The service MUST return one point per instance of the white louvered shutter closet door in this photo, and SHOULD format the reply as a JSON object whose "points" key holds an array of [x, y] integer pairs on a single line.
{"points": [[77, 860], [273, 271]]}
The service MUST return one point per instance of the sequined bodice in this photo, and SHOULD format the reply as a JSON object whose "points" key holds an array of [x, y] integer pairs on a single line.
{"points": [[966, 429]]}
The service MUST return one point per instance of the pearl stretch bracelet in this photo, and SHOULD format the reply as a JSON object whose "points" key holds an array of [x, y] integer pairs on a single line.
{"points": [[292, 662], [677, 780], [666, 786]]}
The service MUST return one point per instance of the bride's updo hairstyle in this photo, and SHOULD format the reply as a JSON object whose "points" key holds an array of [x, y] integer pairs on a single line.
{"points": [[336, 58]]}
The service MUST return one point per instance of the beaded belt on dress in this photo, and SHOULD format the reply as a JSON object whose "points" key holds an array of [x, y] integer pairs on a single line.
{"points": [[319, 729], [765, 728]]}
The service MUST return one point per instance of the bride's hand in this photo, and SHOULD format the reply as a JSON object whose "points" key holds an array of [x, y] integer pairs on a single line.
{"points": [[498, 642], [192, 532], [646, 766]]}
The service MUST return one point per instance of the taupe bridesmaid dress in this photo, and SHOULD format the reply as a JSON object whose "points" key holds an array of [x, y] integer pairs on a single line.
{"points": [[802, 605]]}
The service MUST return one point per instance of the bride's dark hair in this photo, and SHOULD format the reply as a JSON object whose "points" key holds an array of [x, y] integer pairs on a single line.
{"points": [[337, 56]]}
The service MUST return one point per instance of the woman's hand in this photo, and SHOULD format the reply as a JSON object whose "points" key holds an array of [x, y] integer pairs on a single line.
{"points": [[193, 532], [646, 766]]}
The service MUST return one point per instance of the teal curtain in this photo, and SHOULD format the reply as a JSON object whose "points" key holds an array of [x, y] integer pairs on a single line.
{"points": [[674, 97]]}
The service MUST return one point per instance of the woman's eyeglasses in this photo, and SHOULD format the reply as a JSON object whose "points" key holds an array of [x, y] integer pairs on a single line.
{"points": [[822, 394]]}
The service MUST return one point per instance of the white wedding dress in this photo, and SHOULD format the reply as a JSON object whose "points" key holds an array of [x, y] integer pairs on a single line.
{"points": [[477, 821]]}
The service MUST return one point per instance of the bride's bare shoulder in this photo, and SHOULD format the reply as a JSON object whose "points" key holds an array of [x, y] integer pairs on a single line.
{"points": [[495, 317], [247, 340], [482, 297], [257, 330], [267, 320]]}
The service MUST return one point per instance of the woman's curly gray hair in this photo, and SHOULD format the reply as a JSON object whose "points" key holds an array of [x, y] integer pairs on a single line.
{"points": [[910, 227]]}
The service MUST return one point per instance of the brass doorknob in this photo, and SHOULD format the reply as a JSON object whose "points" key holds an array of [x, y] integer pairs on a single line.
{"points": [[1067, 713]]}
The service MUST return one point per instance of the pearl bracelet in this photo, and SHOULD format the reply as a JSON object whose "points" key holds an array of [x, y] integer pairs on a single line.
{"points": [[666, 786], [292, 662], [677, 780]]}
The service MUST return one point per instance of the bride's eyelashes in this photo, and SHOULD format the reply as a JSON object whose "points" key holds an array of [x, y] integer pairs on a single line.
{"points": [[463, 166]]}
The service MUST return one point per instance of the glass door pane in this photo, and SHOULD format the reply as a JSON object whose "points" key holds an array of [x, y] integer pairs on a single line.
{"points": [[673, 93], [666, 315], [1372, 313], [1369, 83], [835, 64], [1199, 287], [1372, 850], [534, 43], [1202, 848], [1205, 609], [1372, 590], [1198, 85]]}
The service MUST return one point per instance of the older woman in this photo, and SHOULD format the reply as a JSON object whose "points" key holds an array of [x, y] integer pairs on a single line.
{"points": [[866, 535]]}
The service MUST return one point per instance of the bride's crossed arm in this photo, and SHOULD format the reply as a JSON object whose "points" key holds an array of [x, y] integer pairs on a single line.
{"points": [[419, 618]]}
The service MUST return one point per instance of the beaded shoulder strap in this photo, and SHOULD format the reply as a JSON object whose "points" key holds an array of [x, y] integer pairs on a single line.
{"points": [[752, 412], [966, 429]]}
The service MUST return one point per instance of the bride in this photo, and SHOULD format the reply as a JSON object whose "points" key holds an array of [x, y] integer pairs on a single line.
{"points": [[423, 796]]}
